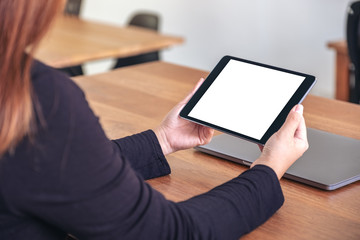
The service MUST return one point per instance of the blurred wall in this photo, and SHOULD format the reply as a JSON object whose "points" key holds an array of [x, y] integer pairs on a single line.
{"points": [[291, 34]]}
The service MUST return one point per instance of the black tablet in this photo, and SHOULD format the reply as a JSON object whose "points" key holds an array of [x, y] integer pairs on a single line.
{"points": [[247, 99]]}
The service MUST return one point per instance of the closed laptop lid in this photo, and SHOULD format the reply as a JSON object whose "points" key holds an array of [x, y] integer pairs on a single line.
{"points": [[332, 161]]}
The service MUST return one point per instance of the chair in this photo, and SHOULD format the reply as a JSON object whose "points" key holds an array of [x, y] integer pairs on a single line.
{"points": [[145, 20], [353, 43], [72, 8]]}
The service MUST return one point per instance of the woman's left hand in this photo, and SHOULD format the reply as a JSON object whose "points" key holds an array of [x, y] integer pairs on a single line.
{"points": [[175, 133]]}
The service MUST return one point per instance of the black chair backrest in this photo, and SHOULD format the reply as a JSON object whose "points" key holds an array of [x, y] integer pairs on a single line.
{"points": [[353, 43], [72, 7], [145, 20]]}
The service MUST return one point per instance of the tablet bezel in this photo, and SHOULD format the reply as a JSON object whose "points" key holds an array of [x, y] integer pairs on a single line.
{"points": [[296, 98]]}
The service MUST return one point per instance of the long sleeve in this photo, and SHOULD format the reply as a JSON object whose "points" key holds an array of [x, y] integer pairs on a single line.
{"points": [[144, 154], [72, 179], [236, 207]]}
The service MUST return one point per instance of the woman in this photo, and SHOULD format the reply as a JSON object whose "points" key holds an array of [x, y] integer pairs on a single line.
{"points": [[60, 175]]}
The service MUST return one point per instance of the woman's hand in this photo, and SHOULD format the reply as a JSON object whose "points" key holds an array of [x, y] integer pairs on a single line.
{"points": [[175, 133], [287, 144]]}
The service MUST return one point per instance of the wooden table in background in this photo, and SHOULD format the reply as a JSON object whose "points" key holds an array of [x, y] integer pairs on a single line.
{"points": [[134, 99], [342, 70], [73, 41]]}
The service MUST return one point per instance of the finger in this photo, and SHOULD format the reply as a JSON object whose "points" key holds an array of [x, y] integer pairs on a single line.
{"points": [[301, 131], [182, 103], [207, 135], [198, 84], [292, 121]]}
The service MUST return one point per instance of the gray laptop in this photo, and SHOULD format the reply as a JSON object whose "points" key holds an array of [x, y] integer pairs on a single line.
{"points": [[332, 161]]}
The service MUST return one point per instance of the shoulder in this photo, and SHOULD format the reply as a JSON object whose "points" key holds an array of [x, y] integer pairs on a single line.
{"points": [[53, 90], [45, 78]]}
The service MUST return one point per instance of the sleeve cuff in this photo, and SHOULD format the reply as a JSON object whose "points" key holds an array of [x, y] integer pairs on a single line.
{"points": [[144, 153]]}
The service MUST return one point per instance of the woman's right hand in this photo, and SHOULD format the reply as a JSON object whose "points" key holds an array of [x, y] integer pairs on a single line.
{"points": [[286, 145]]}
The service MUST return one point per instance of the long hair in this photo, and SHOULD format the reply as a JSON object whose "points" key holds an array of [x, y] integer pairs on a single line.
{"points": [[22, 25]]}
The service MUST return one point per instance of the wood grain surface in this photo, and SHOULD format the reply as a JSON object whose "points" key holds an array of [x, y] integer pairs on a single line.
{"points": [[134, 99], [73, 41]]}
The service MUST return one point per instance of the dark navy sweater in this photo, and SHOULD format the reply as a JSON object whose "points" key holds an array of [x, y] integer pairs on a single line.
{"points": [[69, 178]]}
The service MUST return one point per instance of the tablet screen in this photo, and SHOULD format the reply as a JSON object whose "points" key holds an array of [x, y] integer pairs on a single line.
{"points": [[245, 98], [242, 98]]}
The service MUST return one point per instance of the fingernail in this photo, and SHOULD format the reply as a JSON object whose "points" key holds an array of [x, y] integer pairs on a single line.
{"points": [[299, 108]]}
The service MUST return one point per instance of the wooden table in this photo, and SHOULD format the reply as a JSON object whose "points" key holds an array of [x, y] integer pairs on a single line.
{"points": [[342, 70], [136, 98], [72, 41]]}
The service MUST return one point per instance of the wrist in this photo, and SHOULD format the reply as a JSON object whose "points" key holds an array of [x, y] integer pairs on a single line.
{"points": [[162, 138], [263, 161]]}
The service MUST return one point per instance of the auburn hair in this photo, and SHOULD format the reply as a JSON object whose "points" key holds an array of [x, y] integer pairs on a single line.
{"points": [[22, 25]]}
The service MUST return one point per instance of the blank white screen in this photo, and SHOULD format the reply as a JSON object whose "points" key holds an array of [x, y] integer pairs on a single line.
{"points": [[246, 98]]}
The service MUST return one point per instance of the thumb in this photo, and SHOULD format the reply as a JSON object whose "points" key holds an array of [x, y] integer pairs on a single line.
{"points": [[301, 132], [177, 109], [293, 120], [198, 84]]}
